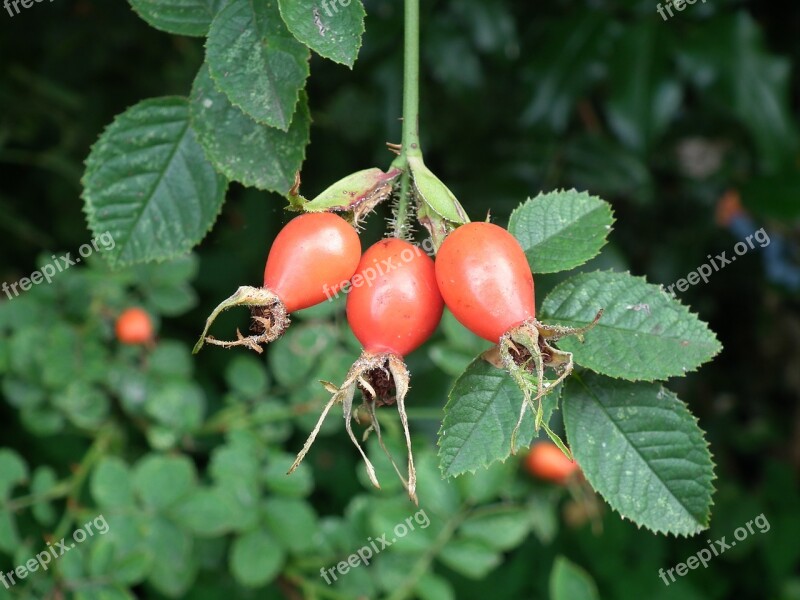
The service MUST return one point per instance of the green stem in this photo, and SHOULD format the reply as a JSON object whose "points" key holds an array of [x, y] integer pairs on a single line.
{"points": [[410, 141], [96, 452], [59, 490]]}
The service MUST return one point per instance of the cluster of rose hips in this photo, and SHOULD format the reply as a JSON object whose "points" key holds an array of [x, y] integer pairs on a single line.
{"points": [[481, 274]]}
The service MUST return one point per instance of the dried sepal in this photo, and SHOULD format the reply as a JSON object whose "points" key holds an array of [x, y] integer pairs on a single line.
{"points": [[525, 351], [376, 375], [270, 319]]}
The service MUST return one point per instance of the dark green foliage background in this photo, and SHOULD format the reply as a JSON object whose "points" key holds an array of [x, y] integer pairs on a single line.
{"points": [[517, 97]]}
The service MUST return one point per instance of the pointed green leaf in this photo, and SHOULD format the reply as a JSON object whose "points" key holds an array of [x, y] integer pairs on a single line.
{"points": [[246, 151], [470, 558], [568, 581], [182, 17], [149, 184], [481, 412], [643, 333], [642, 450], [561, 230], [256, 62], [330, 28]]}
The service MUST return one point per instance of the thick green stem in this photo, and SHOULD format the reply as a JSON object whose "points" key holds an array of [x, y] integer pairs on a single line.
{"points": [[410, 141]]}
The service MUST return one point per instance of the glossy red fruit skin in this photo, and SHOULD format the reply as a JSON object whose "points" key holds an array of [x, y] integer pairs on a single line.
{"points": [[485, 279], [401, 307], [134, 326], [311, 258], [547, 462]]}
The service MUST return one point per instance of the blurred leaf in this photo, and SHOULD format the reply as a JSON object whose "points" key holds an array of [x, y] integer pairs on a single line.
{"points": [[333, 32], [642, 450], [86, 406], [644, 97], [728, 61], [255, 558], [569, 582], [174, 568], [643, 333], [469, 558], [293, 522], [178, 405], [13, 471], [244, 150], [297, 485], [171, 358], [182, 17], [433, 587], [597, 163], [561, 230], [292, 357], [247, 375], [149, 185], [502, 529], [43, 481], [111, 483], [565, 67], [9, 537], [205, 512], [256, 62], [162, 481]]}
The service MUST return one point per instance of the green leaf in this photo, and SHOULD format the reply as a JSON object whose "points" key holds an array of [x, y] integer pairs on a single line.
{"points": [[256, 62], [256, 558], [149, 185], [162, 481], [178, 405], [643, 333], [482, 410], [643, 98], [182, 17], [111, 484], [9, 536], [247, 375], [174, 566], [434, 587], [85, 405], [501, 530], [642, 450], [570, 582], [331, 28], [13, 471], [205, 512], [561, 230], [44, 480], [469, 558], [244, 150], [293, 522]]}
